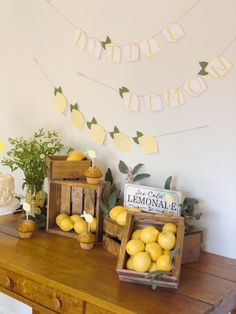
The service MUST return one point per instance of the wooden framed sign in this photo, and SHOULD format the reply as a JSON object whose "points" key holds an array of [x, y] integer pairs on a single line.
{"points": [[151, 199]]}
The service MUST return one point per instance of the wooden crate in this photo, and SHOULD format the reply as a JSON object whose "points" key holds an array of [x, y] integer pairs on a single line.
{"points": [[112, 236], [72, 197], [58, 168], [139, 220]]}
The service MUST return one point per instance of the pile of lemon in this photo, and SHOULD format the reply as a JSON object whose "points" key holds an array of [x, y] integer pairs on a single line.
{"points": [[68, 223], [150, 249], [119, 214]]}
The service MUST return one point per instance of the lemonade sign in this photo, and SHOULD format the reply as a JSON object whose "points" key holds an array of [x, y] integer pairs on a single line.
{"points": [[154, 200]]}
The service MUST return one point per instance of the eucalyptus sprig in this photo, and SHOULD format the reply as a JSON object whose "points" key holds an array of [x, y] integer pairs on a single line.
{"points": [[29, 155], [132, 173]]}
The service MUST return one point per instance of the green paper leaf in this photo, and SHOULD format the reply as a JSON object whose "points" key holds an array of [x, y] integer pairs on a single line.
{"points": [[104, 43], [173, 253], [112, 135], [139, 134], [136, 140], [112, 199], [136, 168], [89, 125], [168, 183], [116, 130], [74, 107], [123, 90], [123, 167], [55, 91], [141, 176], [108, 40], [203, 73], [108, 176], [203, 64], [94, 121]]}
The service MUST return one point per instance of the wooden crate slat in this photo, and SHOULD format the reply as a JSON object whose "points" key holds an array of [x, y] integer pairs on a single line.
{"points": [[111, 245], [54, 197], [77, 200], [65, 199], [89, 201]]}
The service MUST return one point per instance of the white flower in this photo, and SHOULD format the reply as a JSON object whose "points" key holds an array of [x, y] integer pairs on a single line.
{"points": [[42, 156], [49, 145]]}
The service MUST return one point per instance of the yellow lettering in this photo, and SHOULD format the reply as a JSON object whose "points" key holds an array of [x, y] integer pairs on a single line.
{"points": [[219, 66], [174, 97]]}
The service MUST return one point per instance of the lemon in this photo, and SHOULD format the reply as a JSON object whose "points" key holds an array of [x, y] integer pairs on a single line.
{"points": [[77, 119], [97, 134], [115, 211], [163, 263], [170, 227], [148, 144], [122, 142], [149, 234], [76, 156], [134, 246], [153, 267], [166, 239], [80, 226], [136, 234], [166, 252], [121, 218], [154, 250], [93, 225], [142, 261], [60, 217], [75, 218], [60, 102], [129, 263], [66, 224]]}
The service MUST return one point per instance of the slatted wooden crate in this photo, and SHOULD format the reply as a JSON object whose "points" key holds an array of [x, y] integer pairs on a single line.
{"points": [[72, 197], [58, 168], [112, 236], [137, 221]]}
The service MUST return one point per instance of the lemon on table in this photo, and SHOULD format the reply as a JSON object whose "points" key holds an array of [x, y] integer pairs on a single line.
{"points": [[166, 239], [134, 246], [153, 267], [121, 218], [129, 263], [115, 211], [66, 224], [149, 234], [75, 218], [154, 250], [136, 234], [60, 217], [170, 227], [142, 261], [163, 263], [93, 225], [80, 226]]}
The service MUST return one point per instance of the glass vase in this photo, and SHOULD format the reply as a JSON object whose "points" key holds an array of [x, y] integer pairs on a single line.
{"points": [[35, 196]]}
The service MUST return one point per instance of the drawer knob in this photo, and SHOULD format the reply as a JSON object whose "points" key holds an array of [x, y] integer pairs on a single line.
{"points": [[6, 282], [56, 303]]}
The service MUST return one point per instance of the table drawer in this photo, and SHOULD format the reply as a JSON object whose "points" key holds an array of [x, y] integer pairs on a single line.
{"points": [[41, 294], [94, 309]]}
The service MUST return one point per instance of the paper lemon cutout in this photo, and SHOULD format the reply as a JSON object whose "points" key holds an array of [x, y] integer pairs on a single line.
{"points": [[97, 133], [121, 140], [60, 101], [77, 118], [1, 147], [147, 143]]}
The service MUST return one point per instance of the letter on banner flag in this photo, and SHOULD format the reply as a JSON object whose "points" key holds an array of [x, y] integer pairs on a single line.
{"points": [[195, 86], [80, 39], [131, 101], [113, 53], [94, 47], [219, 66], [174, 97], [173, 32], [153, 103], [149, 47], [131, 52]]}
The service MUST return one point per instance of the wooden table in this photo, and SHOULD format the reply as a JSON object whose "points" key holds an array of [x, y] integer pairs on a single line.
{"points": [[53, 275]]}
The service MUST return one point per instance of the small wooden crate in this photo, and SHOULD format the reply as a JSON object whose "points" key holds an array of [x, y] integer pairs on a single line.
{"points": [[112, 236], [73, 197], [58, 168], [137, 221]]}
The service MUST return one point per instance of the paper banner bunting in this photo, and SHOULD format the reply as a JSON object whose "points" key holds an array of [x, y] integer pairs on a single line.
{"points": [[77, 118], [60, 102], [174, 97], [195, 86], [217, 67], [153, 103], [148, 143], [1, 146], [121, 140], [129, 52], [97, 132]]}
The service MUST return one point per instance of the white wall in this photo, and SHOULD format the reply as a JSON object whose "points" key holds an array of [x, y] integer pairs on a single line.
{"points": [[203, 162]]}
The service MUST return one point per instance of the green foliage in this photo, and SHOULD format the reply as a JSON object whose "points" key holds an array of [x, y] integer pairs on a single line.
{"points": [[168, 183], [131, 173], [108, 176], [154, 276], [29, 155]]}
